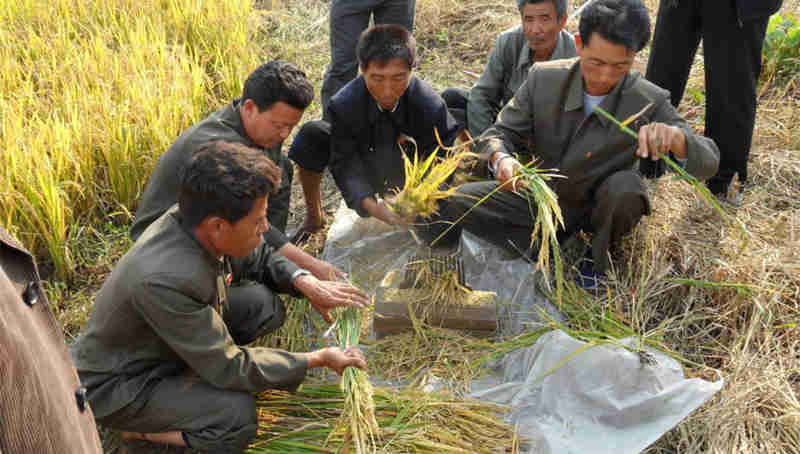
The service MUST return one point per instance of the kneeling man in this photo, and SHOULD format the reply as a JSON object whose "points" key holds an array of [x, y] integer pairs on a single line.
{"points": [[158, 357]]}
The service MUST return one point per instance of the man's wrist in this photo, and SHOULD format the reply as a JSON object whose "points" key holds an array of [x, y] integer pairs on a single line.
{"points": [[494, 160], [300, 273]]}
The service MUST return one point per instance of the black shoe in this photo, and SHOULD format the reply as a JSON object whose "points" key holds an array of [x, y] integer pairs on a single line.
{"points": [[589, 278]]}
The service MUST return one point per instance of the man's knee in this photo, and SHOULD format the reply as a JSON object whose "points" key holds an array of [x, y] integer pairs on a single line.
{"points": [[623, 189], [311, 146], [253, 311], [455, 97], [234, 427]]}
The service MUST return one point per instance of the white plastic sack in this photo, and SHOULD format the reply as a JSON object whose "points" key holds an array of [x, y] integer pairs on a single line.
{"points": [[605, 399]]}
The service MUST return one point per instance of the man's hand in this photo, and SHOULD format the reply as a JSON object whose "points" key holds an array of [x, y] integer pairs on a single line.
{"points": [[380, 210], [505, 167], [325, 271], [326, 295], [656, 139], [337, 359]]}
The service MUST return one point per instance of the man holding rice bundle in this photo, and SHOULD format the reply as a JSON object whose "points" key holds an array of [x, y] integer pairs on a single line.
{"points": [[369, 117], [551, 119], [161, 356]]}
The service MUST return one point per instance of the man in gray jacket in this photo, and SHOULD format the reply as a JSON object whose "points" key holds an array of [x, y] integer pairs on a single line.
{"points": [[158, 358], [540, 37], [552, 119]]}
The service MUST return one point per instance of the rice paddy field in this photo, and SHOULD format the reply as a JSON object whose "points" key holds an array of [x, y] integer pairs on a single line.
{"points": [[91, 93]]}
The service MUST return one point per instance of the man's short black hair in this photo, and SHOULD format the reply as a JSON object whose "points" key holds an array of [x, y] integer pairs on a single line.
{"points": [[559, 5], [278, 81], [623, 22], [385, 42], [224, 179]]}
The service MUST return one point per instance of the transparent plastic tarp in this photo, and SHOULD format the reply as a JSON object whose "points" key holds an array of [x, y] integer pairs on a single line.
{"points": [[565, 397], [367, 249], [570, 398]]}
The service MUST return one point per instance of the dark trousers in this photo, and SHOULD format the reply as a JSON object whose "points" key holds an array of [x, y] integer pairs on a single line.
{"points": [[506, 219], [252, 311], [311, 147], [732, 56], [348, 18], [212, 420], [456, 101]]}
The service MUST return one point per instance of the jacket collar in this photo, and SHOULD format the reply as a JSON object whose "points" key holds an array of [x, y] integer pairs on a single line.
{"points": [[623, 101], [373, 109]]}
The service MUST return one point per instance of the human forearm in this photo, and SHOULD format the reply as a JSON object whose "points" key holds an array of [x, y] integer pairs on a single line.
{"points": [[319, 268]]}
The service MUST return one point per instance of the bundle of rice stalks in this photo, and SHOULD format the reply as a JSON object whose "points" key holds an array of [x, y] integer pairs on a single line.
{"points": [[357, 421], [544, 208], [411, 421], [424, 181]]}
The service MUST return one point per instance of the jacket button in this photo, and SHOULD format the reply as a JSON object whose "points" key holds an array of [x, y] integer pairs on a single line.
{"points": [[31, 293], [80, 398]]}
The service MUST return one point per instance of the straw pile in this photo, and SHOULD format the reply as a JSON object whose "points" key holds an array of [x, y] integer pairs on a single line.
{"points": [[410, 421]]}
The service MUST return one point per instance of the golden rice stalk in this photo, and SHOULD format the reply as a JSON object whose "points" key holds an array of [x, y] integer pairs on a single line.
{"points": [[357, 421], [543, 204], [423, 182]]}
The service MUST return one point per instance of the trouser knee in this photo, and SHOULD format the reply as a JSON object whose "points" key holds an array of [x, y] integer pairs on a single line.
{"points": [[234, 428], [311, 146], [253, 310]]}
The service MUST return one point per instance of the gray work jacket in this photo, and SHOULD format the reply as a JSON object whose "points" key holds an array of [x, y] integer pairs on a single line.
{"points": [[545, 120], [158, 315]]}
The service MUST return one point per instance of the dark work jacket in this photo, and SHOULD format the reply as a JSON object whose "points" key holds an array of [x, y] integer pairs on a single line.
{"points": [[159, 314], [42, 410], [756, 9], [362, 169], [163, 186]]}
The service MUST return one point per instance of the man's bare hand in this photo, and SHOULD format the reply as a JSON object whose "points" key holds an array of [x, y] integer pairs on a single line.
{"points": [[326, 295], [505, 170], [657, 139], [337, 359], [380, 210], [325, 271]]}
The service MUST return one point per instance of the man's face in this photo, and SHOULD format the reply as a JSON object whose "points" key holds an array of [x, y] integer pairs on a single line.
{"points": [[603, 64], [240, 238], [272, 126], [388, 81], [541, 26]]}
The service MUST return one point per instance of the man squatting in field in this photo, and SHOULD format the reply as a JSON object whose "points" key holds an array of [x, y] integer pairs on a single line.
{"points": [[540, 37], [369, 117], [273, 100], [551, 119], [159, 357]]}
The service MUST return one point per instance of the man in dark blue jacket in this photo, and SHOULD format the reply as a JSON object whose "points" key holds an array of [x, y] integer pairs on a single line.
{"points": [[372, 118], [733, 34]]}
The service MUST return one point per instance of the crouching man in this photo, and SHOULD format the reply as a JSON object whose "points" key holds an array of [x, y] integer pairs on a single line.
{"points": [[552, 118], [157, 356]]}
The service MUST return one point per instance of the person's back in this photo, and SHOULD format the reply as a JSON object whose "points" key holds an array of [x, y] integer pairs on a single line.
{"points": [[43, 408]]}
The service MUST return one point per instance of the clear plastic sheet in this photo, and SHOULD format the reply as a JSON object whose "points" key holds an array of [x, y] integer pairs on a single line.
{"points": [[367, 249], [602, 399], [567, 398]]}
